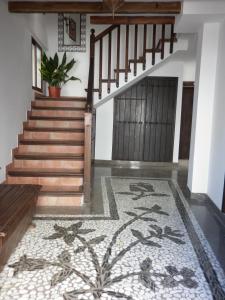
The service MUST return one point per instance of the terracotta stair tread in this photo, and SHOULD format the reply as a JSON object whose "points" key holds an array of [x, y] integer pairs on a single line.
{"points": [[49, 118], [45, 172], [48, 156], [57, 108], [53, 129], [61, 98], [50, 142], [61, 191]]}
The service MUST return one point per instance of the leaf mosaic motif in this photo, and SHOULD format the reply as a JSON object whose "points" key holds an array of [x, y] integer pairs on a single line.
{"points": [[75, 236], [142, 189]]}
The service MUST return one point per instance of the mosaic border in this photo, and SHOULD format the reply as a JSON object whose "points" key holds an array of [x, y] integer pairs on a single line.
{"points": [[199, 242]]}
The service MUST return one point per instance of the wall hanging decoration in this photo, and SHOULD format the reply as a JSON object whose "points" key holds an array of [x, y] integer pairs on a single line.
{"points": [[71, 32]]}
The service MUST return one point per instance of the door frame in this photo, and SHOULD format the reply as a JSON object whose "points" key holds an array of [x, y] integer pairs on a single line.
{"points": [[175, 124], [186, 85], [223, 204]]}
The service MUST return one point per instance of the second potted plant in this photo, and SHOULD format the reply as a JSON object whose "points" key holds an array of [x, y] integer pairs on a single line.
{"points": [[55, 73]]}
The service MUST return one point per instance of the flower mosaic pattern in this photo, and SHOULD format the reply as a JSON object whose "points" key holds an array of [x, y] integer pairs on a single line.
{"points": [[104, 279], [127, 258]]}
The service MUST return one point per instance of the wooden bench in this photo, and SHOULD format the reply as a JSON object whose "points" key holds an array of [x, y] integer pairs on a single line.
{"points": [[17, 207]]}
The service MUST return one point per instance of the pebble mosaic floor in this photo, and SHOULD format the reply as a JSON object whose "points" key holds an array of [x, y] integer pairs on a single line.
{"points": [[147, 246]]}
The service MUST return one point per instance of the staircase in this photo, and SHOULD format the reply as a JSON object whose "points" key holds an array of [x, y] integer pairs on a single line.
{"points": [[58, 140], [51, 151]]}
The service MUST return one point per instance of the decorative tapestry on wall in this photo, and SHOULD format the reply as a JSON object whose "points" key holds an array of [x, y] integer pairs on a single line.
{"points": [[71, 32]]}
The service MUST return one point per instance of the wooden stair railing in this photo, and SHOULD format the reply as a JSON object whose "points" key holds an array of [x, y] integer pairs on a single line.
{"points": [[119, 61], [124, 44]]}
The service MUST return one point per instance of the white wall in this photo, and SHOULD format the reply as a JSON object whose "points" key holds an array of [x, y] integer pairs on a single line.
{"points": [[15, 76], [104, 131], [81, 69], [72, 88], [203, 108], [217, 153]]}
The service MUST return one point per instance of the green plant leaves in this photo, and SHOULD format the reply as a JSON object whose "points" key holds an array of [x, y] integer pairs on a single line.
{"points": [[56, 73]]}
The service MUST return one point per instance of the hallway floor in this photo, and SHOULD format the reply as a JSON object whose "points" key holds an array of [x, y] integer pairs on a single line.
{"points": [[143, 237]]}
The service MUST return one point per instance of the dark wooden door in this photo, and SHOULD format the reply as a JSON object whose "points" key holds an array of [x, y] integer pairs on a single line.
{"points": [[144, 118], [186, 120]]}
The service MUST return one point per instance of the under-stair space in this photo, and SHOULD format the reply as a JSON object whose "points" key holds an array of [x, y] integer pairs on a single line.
{"points": [[50, 151]]}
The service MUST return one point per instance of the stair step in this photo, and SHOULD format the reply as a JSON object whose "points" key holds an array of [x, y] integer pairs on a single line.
{"points": [[57, 113], [50, 142], [49, 118], [108, 80], [59, 129], [94, 90], [55, 124], [48, 156], [122, 70], [61, 191], [61, 98], [139, 60], [53, 135], [51, 148], [66, 200], [151, 51], [45, 172], [57, 103], [48, 160], [36, 107]]}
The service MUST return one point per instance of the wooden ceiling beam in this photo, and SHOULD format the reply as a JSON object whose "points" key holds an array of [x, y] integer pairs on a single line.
{"points": [[93, 7], [132, 20]]}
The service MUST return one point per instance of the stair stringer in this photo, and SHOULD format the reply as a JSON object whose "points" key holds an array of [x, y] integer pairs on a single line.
{"points": [[180, 46]]}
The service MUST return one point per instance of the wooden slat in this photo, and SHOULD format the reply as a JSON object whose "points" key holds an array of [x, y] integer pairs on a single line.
{"points": [[153, 44], [109, 61], [171, 38], [127, 53], [135, 49], [118, 57], [100, 69], [132, 20], [173, 7], [144, 45], [163, 42]]}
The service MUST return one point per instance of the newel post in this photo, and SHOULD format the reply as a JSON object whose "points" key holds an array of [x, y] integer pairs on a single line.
{"points": [[87, 156], [91, 72]]}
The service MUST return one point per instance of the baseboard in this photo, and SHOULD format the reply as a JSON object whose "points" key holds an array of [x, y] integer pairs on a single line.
{"points": [[215, 211], [133, 164]]}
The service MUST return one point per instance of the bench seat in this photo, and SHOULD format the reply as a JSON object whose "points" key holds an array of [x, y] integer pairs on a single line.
{"points": [[17, 207]]}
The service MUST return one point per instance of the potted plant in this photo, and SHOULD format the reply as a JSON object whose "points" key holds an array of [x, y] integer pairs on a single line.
{"points": [[56, 73]]}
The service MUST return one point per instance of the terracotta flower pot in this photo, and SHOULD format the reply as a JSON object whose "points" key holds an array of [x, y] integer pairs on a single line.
{"points": [[54, 91]]}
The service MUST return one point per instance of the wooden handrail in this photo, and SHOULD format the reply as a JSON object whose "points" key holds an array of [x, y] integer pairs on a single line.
{"points": [[125, 20], [105, 32], [91, 73]]}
